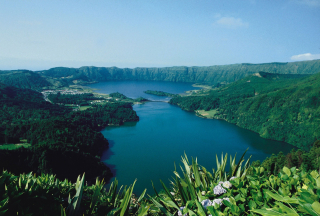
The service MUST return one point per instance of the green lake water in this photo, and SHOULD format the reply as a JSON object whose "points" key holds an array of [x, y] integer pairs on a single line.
{"points": [[147, 150]]}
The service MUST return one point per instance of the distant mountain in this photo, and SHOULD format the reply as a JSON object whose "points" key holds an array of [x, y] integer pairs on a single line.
{"points": [[24, 79], [211, 74], [277, 106]]}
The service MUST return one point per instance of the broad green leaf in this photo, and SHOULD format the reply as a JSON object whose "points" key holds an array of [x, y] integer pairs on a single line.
{"points": [[163, 209], [195, 169], [143, 210], [309, 209], [252, 205], [314, 174], [268, 212], [74, 206], [169, 194], [318, 182], [201, 210], [126, 200], [142, 195], [281, 198], [286, 209], [316, 207], [212, 211], [287, 171], [307, 197]]}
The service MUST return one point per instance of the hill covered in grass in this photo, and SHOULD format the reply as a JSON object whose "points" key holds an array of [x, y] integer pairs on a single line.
{"points": [[280, 107]]}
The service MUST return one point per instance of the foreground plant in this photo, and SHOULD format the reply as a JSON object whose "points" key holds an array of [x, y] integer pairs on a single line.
{"points": [[45, 195], [242, 190], [251, 191], [199, 192]]}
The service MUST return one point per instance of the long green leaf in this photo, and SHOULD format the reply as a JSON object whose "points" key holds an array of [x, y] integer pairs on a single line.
{"points": [[74, 206], [126, 200], [268, 212], [168, 193], [163, 209]]}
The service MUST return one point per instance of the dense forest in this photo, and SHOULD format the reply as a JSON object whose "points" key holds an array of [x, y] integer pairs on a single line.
{"points": [[276, 106], [63, 142], [24, 79], [80, 99]]}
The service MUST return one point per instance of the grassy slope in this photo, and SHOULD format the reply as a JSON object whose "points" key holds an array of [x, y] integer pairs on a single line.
{"points": [[277, 107]]}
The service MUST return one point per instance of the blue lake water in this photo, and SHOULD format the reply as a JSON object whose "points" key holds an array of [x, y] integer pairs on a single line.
{"points": [[148, 149]]}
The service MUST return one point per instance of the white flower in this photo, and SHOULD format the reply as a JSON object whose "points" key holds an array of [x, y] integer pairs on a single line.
{"points": [[217, 201], [220, 182], [203, 193], [180, 211], [233, 177], [217, 190], [172, 193], [226, 198], [227, 184], [206, 203]]}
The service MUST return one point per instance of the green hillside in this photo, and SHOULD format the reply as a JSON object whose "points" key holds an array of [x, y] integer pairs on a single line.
{"points": [[61, 141], [280, 107], [24, 79], [211, 74]]}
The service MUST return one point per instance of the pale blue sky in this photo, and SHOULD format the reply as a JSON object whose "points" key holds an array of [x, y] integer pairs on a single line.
{"points": [[40, 34]]}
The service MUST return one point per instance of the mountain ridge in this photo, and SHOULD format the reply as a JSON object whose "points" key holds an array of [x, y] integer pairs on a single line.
{"points": [[212, 75]]}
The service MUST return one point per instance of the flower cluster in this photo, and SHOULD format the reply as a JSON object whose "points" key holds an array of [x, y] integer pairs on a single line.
{"points": [[217, 201], [227, 184], [180, 211], [218, 190], [226, 198], [207, 202]]}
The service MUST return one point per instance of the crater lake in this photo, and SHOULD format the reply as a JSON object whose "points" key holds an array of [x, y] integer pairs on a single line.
{"points": [[147, 150]]}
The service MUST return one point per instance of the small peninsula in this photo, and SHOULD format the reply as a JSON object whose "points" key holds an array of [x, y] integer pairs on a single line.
{"points": [[160, 93]]}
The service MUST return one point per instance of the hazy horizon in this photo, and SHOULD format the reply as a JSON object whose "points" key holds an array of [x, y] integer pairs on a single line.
{"points": [[37, 35], [154, 67]]}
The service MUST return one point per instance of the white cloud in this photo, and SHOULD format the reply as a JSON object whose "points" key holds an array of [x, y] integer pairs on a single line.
{"points": [[306, 56], [311, 3], [231, 22]]}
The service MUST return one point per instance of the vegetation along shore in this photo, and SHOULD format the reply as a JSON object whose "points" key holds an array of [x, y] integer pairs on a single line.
{"points": [[50, 127]]}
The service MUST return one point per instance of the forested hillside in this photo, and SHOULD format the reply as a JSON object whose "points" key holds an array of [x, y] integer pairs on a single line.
{"points": [[63, 142], [24, 79], [213, 75], [280, 107]]}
